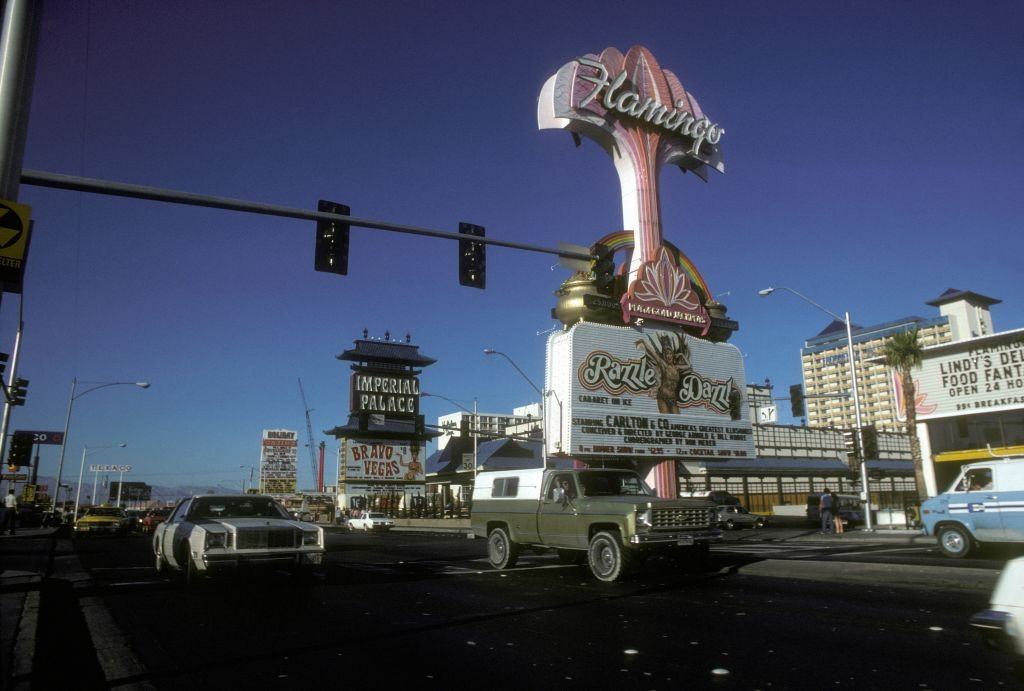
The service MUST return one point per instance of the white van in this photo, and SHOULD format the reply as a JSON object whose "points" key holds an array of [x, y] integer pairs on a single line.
{"points": [[984, 504]]}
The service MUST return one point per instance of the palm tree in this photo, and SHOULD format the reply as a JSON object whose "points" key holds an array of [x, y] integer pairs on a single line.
{"points": [[903, 352]]}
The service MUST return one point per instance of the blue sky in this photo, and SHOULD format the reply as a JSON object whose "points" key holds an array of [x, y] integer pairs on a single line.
{"points": [[873, 154]]}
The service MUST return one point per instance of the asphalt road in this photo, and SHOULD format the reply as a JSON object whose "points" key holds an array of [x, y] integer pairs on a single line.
{"points": [[396, 609]]}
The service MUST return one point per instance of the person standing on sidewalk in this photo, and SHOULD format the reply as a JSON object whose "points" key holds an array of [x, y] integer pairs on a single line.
{"points": [[825, 510], [10, 513], [837, 519]]}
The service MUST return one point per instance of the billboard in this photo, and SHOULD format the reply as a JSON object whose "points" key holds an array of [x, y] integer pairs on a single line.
{"points": [[629, 392], [367, 460], [980, 375], [278, 467]]}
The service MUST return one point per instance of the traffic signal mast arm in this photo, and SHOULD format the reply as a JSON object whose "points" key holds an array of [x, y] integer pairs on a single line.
{"points": [[119, 189]]}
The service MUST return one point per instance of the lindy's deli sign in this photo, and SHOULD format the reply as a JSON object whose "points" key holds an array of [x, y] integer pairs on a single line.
{"points": [[394, 395]]}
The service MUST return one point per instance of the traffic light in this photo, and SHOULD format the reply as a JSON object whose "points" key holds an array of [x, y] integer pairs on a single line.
{"points": [[472, 257], [331, 253], [796, 400], [850, 442], [20, 450], [18, 391], [869, 435], [602, 264]]}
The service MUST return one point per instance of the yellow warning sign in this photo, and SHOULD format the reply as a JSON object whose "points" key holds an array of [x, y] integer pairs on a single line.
{"points": [[14, 237]]}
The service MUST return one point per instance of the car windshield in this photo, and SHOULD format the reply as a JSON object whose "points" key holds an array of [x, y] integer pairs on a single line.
{"points": [[377, 515], [613, 483], [236, 507], [103, 511]]}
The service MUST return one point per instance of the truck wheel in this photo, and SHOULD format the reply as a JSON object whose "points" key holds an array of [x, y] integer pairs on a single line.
{"points": [[609, 560], [954, 541], [572, 556], [501, 551]]}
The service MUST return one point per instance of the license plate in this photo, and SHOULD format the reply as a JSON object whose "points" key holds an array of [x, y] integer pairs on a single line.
{"points": [[685, 541]]}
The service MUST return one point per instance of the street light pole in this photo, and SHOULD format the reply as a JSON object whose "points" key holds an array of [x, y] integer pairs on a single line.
{"points": [[67, 418], [868, 522], [543, 418]]}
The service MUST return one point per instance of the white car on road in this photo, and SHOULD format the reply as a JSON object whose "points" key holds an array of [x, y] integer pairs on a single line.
{"points": [[1003, 623], [371, 521], [209, 534]]}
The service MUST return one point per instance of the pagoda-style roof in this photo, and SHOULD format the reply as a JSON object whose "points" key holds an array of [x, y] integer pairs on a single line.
{"points": [[391, 429], [387, 353], [955, 295]]}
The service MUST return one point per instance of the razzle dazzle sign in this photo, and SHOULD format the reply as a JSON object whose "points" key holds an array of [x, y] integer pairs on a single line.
{"points": [[631, 393]]}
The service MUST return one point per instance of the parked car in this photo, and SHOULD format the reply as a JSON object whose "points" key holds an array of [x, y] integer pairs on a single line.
{"points": [[205, 535], [134, 518], [1003, 623], [731, 517], [850, 509], [371, 521], [153, 518], [101, 520]]}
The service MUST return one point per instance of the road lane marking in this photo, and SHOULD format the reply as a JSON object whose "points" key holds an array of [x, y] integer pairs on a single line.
{"points": [[112, 650]]}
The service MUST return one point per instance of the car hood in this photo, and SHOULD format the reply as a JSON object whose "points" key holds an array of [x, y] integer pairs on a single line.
{"points": [[99, 519], [248, 523]]}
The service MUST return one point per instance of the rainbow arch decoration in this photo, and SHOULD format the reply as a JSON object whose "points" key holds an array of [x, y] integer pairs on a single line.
{"points": [[623, 240]]}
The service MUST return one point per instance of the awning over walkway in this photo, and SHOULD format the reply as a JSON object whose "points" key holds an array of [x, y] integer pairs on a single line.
{"points": [[791, 467], [977, 454]]}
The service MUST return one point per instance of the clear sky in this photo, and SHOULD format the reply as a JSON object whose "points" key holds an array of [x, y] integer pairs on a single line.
{"points": [[873, 152]]}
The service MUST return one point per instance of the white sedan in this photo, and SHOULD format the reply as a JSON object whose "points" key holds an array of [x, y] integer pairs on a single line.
{"points": [[1003, 624], [371, 521], [210, 534]]}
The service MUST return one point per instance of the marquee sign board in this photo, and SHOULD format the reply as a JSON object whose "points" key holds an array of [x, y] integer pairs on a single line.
{"points": [[980, 375], [646, 393], [278, 468], [381, 461]]}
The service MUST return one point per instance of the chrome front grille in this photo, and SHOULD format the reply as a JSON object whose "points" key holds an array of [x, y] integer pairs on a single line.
{"points": [[268, 538], [697, 517]]}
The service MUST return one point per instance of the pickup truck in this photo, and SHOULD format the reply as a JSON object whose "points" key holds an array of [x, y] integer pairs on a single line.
{"points": [[609, 518]]}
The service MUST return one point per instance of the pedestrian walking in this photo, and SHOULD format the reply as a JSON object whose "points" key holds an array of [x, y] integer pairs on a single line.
{"points": [[825, 510], [10, 513], [837, 519]]}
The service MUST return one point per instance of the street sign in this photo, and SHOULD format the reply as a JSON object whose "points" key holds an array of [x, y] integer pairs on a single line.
{"points": [[768, 414], [467, 461], [14, 477], [109, 468], [15, 229], [44, 437]]}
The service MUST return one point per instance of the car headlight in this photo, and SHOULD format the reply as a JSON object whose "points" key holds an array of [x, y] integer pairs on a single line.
{"points": [[310, 537], [216, 540], [644, 519]]}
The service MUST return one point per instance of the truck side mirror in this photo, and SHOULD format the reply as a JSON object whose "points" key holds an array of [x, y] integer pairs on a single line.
{"points": [[558, 495]]}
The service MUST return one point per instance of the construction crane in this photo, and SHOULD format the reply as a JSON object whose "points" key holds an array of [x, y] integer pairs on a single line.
{"points": [[309, 436]]}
